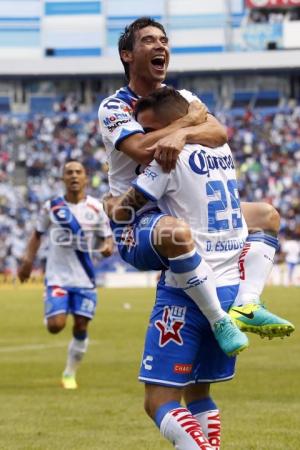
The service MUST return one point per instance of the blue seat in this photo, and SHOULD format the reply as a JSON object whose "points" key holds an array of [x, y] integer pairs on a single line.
{"points": [[41, 104], [4, 104], [267, 99], [242, 99], [208, 98]]}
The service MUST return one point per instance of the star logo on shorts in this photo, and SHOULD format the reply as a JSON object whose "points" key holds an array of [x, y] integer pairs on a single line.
{"points": [[170, 325]]}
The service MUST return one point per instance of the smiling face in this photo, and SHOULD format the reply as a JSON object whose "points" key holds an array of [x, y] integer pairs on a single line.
{"points": [[74, 177], [149, 59]]}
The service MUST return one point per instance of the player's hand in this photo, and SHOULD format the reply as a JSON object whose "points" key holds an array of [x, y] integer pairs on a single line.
{"points": [[107, 247], [167, 149], [197, 113], [24, 270], [108, 204]]}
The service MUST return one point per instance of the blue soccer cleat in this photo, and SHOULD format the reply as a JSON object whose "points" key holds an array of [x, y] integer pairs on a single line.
{"points": [[231, 340], [255, 318]]}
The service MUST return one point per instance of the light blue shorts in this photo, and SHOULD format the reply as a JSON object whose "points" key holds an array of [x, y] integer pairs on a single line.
{"points": [[68, 300], [135, 242]]}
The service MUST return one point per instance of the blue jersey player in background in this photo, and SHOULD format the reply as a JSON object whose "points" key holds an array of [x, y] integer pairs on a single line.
{"points": [[73, 221]]}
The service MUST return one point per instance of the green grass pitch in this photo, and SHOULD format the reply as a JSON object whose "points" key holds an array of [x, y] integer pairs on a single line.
{"points": [[260, 407]]}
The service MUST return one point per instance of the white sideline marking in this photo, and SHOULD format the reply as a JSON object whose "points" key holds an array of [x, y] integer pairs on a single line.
{"points": [[29, 347]]}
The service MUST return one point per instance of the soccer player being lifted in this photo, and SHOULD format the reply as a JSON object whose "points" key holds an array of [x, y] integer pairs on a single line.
{"points": [[77, 224], [181, 356], [144, 52]]}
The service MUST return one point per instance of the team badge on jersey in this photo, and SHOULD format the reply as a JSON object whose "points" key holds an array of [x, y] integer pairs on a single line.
{"points": [[171, 324], [127, 237]]}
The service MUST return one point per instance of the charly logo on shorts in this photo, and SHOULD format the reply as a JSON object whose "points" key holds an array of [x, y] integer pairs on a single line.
{"points": [[171, 324]]}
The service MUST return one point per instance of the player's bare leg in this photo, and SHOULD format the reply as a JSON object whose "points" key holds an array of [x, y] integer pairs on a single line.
{"points": [[173, 240], [56, 323], [175, 422], [255, 263], [76, 350]]}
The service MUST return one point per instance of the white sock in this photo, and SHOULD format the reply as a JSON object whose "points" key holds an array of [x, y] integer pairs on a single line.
{"points": [[207, 413], [197, 279], [76, 351], [255, 264], [211, 425], [183, 430]]}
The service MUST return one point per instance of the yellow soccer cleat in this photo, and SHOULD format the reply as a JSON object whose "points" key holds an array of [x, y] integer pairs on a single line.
{"points": [[69, 382], [255, 318]]}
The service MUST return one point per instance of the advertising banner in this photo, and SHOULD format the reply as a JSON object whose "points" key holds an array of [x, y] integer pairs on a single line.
{"points": [[258, 36], [272, 3]]}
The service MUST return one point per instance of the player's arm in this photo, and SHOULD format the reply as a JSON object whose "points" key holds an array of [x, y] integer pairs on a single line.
{"points": [[123, 208], [152, 184], [25, 268], [104, 234], [106, 246], [210, 133], [140, 147]]}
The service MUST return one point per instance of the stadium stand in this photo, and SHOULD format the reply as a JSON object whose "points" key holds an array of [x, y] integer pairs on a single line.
{"points": [[4, 104], [209, 98], [32, 149], [242, 99], [49, 99], [41, 104], [267, 99]]}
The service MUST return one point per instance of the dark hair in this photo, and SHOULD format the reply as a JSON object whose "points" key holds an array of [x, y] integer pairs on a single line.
{"points": [[165, 102], [126, 39], [71, 160]]}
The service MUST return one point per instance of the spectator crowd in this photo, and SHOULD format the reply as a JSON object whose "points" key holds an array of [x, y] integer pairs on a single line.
{"points": [[33, 149]]}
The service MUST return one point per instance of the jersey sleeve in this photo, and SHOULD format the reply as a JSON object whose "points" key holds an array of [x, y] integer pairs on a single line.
{"points": [[43, 221], [117, 122], [153, 182], [188, 95]]}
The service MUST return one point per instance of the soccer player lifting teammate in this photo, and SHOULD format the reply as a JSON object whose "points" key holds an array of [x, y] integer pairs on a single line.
{"points": [[73, 221], [144, 52], [181, 356]]}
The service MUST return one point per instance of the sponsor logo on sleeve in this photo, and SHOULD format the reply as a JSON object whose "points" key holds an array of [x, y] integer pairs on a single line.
{"points": [[149, 173], [116, 120]]}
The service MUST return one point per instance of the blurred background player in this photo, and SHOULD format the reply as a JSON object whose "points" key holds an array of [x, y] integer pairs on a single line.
{"points": [[77, 226], [144, 52], [290, 247]]}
